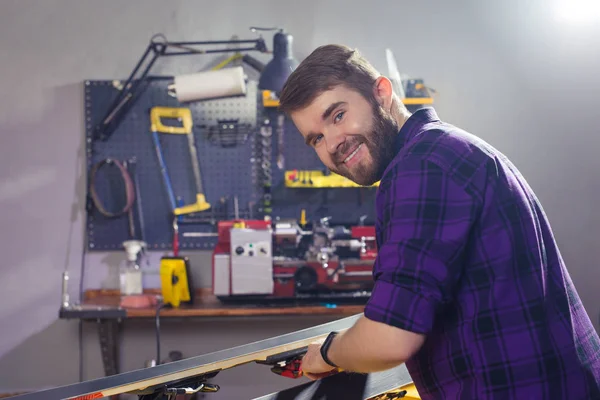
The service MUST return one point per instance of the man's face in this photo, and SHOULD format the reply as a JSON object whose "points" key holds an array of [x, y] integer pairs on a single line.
{"points": [[351, 137]]}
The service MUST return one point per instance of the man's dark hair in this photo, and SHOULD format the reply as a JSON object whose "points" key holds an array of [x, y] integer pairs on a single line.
{"points": [[325, 68]]}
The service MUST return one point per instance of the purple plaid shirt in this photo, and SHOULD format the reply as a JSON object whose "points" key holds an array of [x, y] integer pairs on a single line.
{"points": [[467, 257]]}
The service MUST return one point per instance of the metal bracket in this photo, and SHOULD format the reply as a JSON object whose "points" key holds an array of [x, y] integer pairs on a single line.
{"points": [[108, 333], [203, 387]]}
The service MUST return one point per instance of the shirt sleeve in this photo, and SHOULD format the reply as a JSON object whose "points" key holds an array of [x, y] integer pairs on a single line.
{"points": [[424, 219]]}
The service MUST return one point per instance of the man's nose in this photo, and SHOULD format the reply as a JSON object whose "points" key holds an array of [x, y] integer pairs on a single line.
{"points": [[334, 139]]}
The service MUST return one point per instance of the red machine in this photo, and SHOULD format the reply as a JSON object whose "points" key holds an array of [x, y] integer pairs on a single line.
{"points": [[264, 260]]}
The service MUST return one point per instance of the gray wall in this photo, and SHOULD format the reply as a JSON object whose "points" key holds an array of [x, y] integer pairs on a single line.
{"points": [[510, 73]]}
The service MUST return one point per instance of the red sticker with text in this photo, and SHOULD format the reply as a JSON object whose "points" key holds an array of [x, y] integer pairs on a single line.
{"points": [[97, 395]]}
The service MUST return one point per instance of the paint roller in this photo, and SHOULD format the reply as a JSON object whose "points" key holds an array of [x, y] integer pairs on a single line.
{"points": [[225, 82]]}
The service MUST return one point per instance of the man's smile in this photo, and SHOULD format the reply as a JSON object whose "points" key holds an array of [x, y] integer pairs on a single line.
{"points": [[354, 155]]}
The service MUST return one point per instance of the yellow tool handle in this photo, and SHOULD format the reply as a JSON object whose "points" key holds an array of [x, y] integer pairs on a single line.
{"points": [[200, 205], [184, 114], [316, 179]]}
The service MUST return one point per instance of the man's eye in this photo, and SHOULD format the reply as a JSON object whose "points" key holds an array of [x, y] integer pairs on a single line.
{"points": [[338, 116], [316, 140]]}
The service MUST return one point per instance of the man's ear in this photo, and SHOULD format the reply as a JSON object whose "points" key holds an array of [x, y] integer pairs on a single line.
{"points": [[383, 91]]}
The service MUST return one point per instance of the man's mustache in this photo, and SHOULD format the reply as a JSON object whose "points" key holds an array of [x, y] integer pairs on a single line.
{"points": [[341, 154]]}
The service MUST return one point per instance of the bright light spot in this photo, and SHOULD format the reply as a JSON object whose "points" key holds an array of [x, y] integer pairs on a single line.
{"points": [[578, 11]]}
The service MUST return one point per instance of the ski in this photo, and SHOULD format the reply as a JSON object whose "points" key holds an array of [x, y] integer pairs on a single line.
{"points": [[190, 375]]}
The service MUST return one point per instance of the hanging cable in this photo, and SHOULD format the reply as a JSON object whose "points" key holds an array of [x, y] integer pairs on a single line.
{"points": [[128, 182]]}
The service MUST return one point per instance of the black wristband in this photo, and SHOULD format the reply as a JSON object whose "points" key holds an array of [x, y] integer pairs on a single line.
{"points": [[325, 348]]}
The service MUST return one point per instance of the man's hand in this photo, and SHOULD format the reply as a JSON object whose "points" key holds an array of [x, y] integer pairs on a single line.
{"points": [[355, 350], [313, 365]]}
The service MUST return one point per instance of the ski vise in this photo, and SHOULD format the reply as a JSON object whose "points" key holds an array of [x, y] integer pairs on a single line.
{"points": [[287, 364]]}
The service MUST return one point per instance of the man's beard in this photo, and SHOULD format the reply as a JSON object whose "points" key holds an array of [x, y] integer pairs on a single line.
{"points": [[381, 143]]}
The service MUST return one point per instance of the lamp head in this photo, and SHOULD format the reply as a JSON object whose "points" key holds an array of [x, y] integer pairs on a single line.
{"points": [[276, 72]]}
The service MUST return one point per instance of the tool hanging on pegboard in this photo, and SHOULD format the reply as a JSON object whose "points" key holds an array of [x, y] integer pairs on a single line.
{"points": [[266, 133], [128, 188], [228, 132], [130, 213], [127, 183], [138, 200], [280, 143], [185, 117]]}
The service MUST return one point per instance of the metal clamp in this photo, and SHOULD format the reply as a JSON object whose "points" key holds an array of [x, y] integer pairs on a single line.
{"points": [[202, 388]]}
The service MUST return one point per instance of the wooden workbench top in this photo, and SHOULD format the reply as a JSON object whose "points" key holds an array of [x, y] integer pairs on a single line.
{"points": [[207, 305]]}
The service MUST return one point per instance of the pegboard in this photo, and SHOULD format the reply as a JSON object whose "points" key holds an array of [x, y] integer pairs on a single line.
{"points": [[232, 175], [227, 171]]}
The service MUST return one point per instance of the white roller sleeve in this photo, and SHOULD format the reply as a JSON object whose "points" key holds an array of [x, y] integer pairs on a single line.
{"points": [[210, 84]]}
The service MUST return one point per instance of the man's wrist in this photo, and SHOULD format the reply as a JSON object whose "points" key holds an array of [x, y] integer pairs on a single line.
{"points": [[325, 349]]}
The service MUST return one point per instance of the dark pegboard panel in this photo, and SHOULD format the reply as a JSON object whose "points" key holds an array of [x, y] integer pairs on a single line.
{"points": [[227, 172]]}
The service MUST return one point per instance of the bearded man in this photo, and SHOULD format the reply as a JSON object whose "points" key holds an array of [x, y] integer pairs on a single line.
{"points": [[471, 292]]}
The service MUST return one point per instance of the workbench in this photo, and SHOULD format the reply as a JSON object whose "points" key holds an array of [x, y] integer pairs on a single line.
{"points": [[103, 307]]}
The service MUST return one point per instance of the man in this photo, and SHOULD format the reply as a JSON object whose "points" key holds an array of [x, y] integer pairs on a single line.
{"points": [[470, 290]]}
